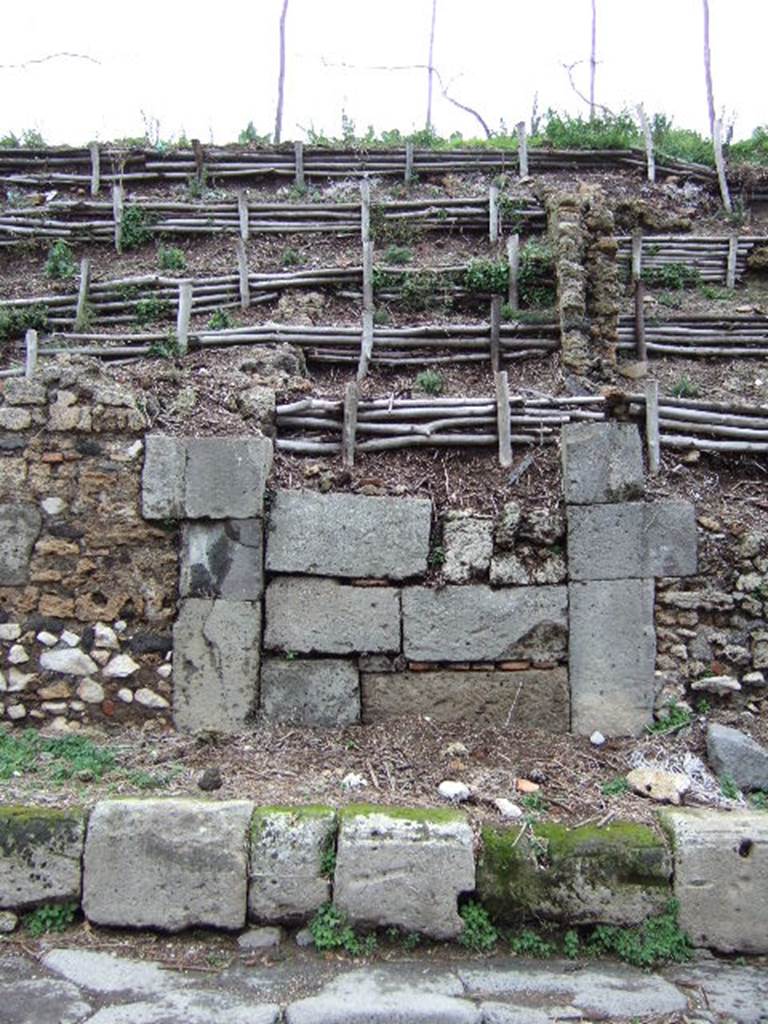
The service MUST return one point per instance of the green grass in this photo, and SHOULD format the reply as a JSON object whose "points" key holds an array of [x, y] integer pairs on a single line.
{"points": [[15, 321], [59, 758], [676, 718], [685, 388], [615, 787], [171, 258], [430, 382], [478, 932]]}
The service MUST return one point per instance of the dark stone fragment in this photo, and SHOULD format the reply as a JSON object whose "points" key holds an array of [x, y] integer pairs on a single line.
{"points": [[210, 779], [87, 447], [150, 643]]}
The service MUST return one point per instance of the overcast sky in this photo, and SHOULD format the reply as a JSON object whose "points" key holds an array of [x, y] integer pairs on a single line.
{"points": [[209, 69]]}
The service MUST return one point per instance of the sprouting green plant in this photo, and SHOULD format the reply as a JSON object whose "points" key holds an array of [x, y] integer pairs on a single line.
{"points": [[397, 255], [728, 787], [171, 258], [165, 348], [60, 757], [658, 940], [674, 276], [703, 707], [530, 943], [291, 258], [486, 276], [152, 309], [436, 557], [150, 780], [51, 917], [219, 320], [60, 263], [571, 944], [197, 184], [534, 802], [135, 228], [15, 321], [411, 941], [328, 857], [759, 799], [685, 388], [430, 382], [478, 932], [535, 278], [715, 293], [330, 929], [676, 718], [381, 316], [671, 299], [615, 787], [249, 136]]}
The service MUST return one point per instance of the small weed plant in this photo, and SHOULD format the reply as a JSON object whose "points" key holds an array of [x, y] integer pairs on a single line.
{"points": [[398, 255], [676, 718], [291, 258], [657, 941], [152, 309], [60, 263], [14, 322], [728, 788], [571, 944], [436, 557], [759, 799], [165, 348], [673, 276], [478, 932], [52, 917], [135, 229], [486, 276], [430, 382], [615, 787], [171, 258], [382, 316], [328, 858], [220, 320], [250, 137], [535, 278], [331, 930], [529, 943], [685, 388], [60, 758]]}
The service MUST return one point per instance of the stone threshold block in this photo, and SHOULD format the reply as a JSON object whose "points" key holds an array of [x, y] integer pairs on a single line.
{"points": [[215, 664], [40, 856], [348, 535], [721, 877], [532, 699], [222, 559], [291, 853], [309, 615], [310, 691], [167, 863], [601, 462], [204, 477], [636, 540], [619, 874], [476, 623], [612, 656], [403, 868]]}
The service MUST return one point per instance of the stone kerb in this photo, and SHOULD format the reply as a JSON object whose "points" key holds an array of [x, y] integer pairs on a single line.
{"points": [[41, 851]]}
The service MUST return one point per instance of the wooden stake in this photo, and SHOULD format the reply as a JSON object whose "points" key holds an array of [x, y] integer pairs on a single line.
{"points": [[720, 165], [522, 149], [493, 213], [182, 320], [495, 333], [637, 255], [349, 429], [117, 215], [408, 163], [513, 259], [366, 347], [368, 276], [730, 272], [242, 269], [197, 149], [649, 154], [652, 426], [365, 210], [95, 168], [502, 419], [298, 153], [242, 214], [641, 348], [30, 365], [82, 294]]}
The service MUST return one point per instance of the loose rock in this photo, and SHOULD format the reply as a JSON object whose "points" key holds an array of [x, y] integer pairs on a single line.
{"points": [[664, 787], [456, 792]]}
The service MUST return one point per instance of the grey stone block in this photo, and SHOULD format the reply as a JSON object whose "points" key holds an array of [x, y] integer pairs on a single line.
{"points": [[307, 691], [601, 462], [222, 559], [226, 476], [475, 623], [19, 529], [631, 540], [468, 546], [721, 877], [40, 855], [168, 864], [612, 654], [306, 615], [350, 535], [215, 664], [405, 871], [733, 753], [162, 480], [287, 882], [535, 699]]}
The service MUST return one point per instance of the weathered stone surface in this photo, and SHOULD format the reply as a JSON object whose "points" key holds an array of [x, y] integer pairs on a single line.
{"points": [[657, 784], [19, 529], [350, 535], [215, 664], [260, 938], [20, 391], [225, 477], [198, 1007], [167, 864], [305, 615], [42, 1001], [40, 852], [733, 753], [534, 699], [288, 879], [222, 559], [468, 546], [107, 974], [163, 477], [731, 992], [377, 851], [310, 691], [475, 623], [631, 539], [601, 462], [721, 877], [612, 652], [70, 661]]}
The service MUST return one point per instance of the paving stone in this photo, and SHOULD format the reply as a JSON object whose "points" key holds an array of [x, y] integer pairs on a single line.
{"points": [[111, 975], [310, 691], [162, 480], [179, 863], [503, 1013], [306, 615], [721, 877], [40, 855], [351, 535], [199, 1007], [534, 699], [42, 1001], [601, 462], [19, 529], [476, 623], [733, 753], [226, 476], [215, 664], [288, 879], [376, 851], [631, 539], [222, 559], [468, 546], [612, 656], [736, 993]]}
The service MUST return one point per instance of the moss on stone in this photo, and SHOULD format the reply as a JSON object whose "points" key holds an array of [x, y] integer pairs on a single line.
{"points": [[437, 816], [24, 828], [300, 812]]}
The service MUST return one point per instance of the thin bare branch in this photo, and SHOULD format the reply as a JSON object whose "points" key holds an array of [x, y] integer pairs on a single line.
{"points": [[281, 76], [593, 63], [708, 72], [431, 66], [569, 71], [51, 56]]}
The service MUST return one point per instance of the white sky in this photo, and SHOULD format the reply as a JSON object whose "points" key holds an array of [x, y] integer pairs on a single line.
{"points": [[208, 69]]}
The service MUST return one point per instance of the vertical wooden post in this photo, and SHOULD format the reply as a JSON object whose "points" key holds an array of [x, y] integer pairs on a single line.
{"points": [[513, 259], [495, 333], [366, 343], [730, 271], [197, 149], [637, 255], [408, 163], [117, 214], [652, 439], [243, 216], [30, 363], [365, 210], [366, 348], [349, 429], [720, 165], [649, 154], [298, 153], [493, 213], [82, 293], [95, 168], [182, 319], [502, 419], [242, 269], [639, 290], [522, 149]]}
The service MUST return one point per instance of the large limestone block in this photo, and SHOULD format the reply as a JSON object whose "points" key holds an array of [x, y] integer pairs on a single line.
{"points": [[350, 535], [291, 861], [168, 864], [404, 868], [306, 615], [226, 476], [162, 481], [534, 699], [19, 529], [601, 462], [310, 691], [215, 664], [40, 855], [631, 539], [475, 623], [222, 559], [612, 655], [721, 877]]}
